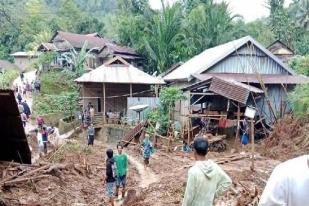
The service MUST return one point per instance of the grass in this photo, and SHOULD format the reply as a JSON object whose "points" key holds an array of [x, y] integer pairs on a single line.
{"points": [[70, 148]]}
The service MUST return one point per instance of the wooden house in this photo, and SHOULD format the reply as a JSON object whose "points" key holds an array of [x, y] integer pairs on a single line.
{"points": [[25, 60], [6, 65], [234, 75], [281, 50], [102, 49], [111, 87]]}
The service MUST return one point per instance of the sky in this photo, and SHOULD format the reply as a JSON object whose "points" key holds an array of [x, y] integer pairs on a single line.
{"points": [[249, 9]]}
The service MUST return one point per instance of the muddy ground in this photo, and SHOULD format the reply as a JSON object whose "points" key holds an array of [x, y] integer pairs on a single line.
{"points": [[80, 179]]}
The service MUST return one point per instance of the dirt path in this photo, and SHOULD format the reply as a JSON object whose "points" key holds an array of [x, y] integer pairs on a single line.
{"points": [[147, 176]]}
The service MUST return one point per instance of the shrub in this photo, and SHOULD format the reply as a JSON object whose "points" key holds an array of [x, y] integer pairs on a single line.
{"points": [[7, 78], [300, 100]]}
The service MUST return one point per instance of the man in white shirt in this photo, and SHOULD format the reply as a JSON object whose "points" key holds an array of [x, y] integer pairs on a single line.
{"points": [[288, 184]]}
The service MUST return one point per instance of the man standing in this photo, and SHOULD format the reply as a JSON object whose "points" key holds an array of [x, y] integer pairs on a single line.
{"points": [[90, 132], [122, 167], [288, 184], [206, 180], [27, 110], [110, 175]]}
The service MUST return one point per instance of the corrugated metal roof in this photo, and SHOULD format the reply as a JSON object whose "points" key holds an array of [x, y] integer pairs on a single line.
{"points": [[119, 74], [200, 63], [25, 54], [232, 89], [48, 47], [253, 78]]}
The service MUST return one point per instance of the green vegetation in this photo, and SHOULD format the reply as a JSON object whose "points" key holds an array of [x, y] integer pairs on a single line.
{"points": [[59, 93], [7, 77], [168, 97], [165, 37], [300, 100], [300, 65]]}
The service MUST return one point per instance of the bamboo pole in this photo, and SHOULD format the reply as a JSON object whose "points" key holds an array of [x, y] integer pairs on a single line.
{"points": [[252, 145], [104, 104], [238, 123], [131, 90]]}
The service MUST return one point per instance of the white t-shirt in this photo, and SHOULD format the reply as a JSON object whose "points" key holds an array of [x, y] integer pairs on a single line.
{"points": [[39, 139], [288, 184]]}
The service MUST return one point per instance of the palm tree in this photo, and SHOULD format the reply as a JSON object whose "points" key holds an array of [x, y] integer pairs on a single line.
{"points": [[302, 13], [207, 25], [162, 36]]}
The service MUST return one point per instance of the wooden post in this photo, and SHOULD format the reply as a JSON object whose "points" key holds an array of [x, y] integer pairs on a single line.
{"points": [[83, 95], [157, 90], [131, 89], [104, 104], [238, 123], [252, 145]]}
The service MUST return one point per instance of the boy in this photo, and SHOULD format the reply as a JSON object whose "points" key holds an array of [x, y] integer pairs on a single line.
{"points": [[110, 175], [122, 167], [147, 150]]}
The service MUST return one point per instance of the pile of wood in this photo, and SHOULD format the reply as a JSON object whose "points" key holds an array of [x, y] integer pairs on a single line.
{"points": [[14, 173]]}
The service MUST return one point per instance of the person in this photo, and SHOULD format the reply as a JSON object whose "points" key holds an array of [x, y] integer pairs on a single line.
{"points": [[22, 76], [24, 119], [122, 167], [90, 132], [288, 184], [91, 112], [26, 109], [110, 175], [44, 139], [245, 133], [206, 180], [19, 97], [186, 148], [20, 108], [39, 141], [147, 150], [89, 106], [40, 121]]}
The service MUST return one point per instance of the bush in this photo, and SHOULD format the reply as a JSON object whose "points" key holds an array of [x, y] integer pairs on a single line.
{"points": [[300, 65], [56, 82], [65, 102], [168, 98], [300, 100], [7, 78]]}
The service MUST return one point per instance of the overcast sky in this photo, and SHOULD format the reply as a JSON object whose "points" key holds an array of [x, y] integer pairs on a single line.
{"points": [[249, 9]]}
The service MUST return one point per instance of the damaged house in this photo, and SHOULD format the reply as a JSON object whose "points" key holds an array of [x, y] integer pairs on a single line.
{"points": [[222, 81]]}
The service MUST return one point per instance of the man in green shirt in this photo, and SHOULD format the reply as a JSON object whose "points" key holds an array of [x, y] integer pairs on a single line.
{"points": [[122, 167]]}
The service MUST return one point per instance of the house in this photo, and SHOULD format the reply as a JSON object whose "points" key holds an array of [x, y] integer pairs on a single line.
{"points": [[25, 60], [222, 81], [115, 86], [281, 50], [101, 49], [14, 145], [6, 65]]}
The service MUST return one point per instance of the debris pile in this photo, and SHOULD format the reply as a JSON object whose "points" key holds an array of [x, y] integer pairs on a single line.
{"points": [[290, 138]]}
